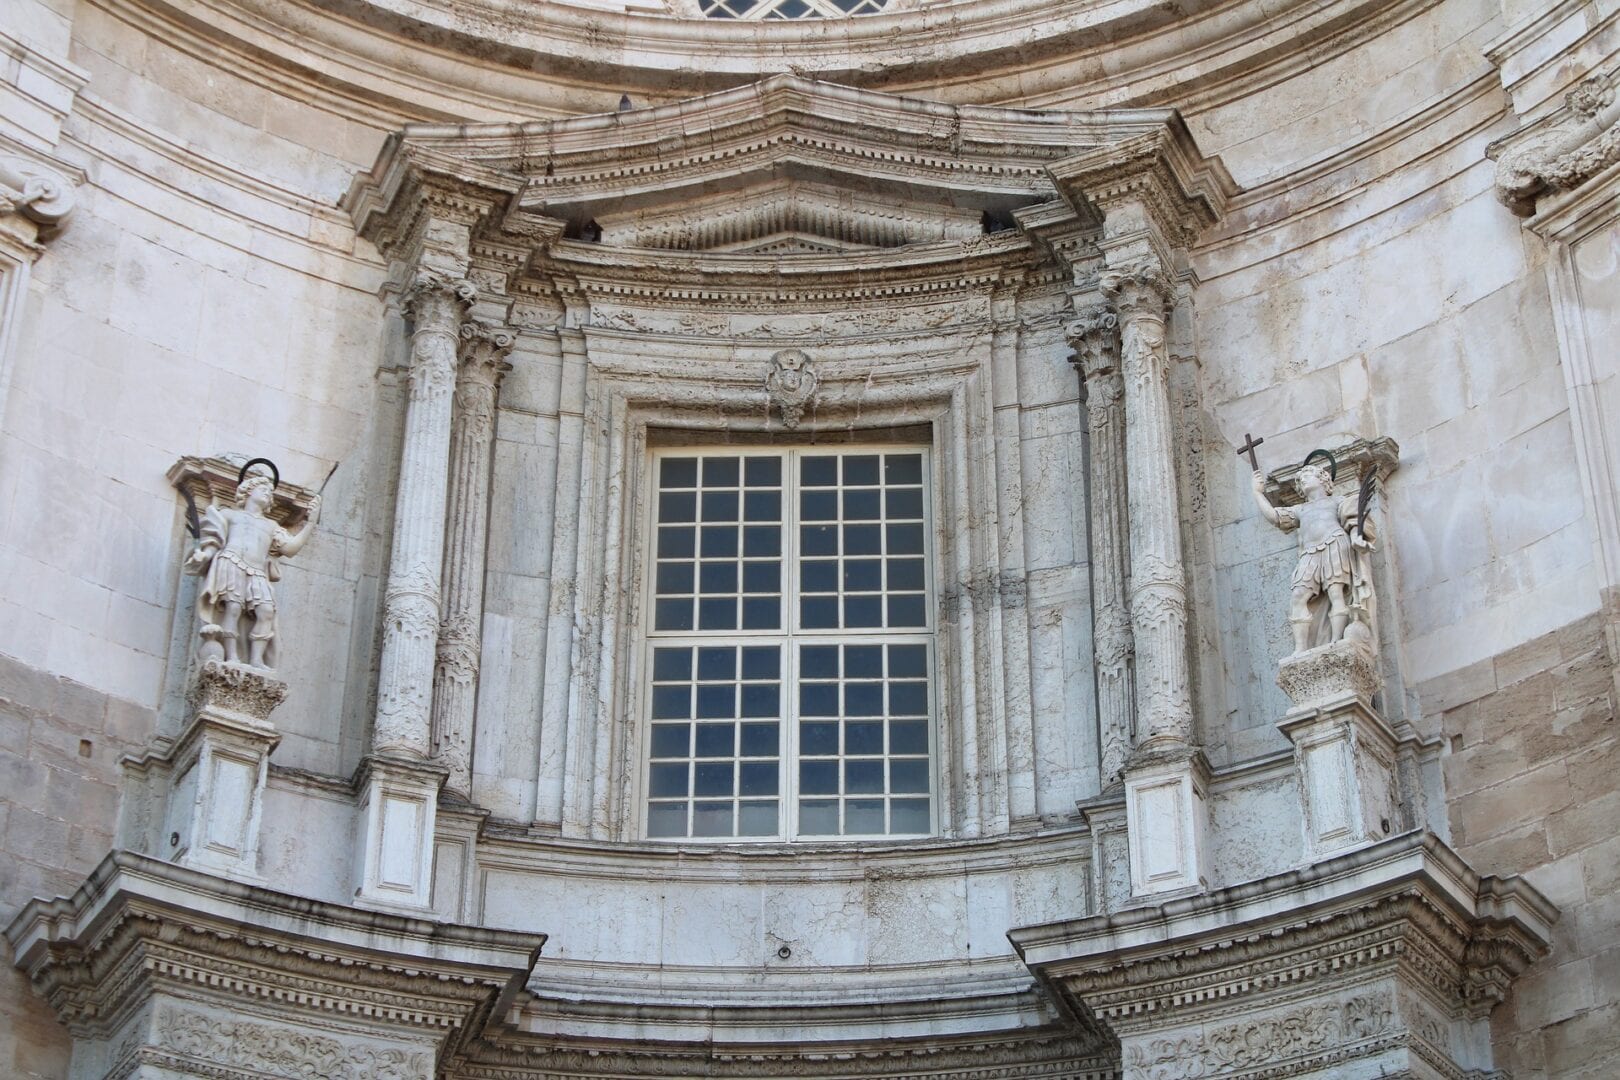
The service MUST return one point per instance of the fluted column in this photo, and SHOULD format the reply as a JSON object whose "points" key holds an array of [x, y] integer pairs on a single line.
{"points": [[455, 684], [1094, 336], [1139, 292], [411, 602]]}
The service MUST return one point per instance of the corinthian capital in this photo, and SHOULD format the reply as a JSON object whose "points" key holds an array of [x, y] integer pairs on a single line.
{"points": [[484, 347], [1137, 288], [429, 288], [1094, 337]]}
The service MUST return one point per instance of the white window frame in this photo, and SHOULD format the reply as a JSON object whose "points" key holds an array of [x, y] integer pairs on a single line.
{"points": [[789, 638]]}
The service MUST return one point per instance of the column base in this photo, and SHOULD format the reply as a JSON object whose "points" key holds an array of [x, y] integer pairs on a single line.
{"points": [[1166, 814], [398, 811], [1344, 751]]}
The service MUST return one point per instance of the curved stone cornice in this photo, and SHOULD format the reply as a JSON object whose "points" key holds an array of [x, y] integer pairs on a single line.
{"points": [[519, 69]]}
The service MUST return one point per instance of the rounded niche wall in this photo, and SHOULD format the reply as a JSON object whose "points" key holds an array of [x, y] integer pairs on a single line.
{"points": [[762, 583]]}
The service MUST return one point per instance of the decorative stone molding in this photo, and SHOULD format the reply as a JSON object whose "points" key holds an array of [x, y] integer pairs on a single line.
{"points": [[1326, 967], [158, 966], [236, 693], [791, 384], [31, 189], [203, 480], [1354, 459], [1560, 155]]}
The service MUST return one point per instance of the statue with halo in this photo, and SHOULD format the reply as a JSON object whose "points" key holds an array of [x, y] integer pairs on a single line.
{"points": [[237, 553], [1332, 596]]}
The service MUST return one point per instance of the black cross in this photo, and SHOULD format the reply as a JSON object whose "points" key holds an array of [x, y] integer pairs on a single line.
{"points": [[1249, 443]]}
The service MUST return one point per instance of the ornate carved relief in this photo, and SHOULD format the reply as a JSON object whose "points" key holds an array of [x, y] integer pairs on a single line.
{"points": [[791, 384], [1298, 1035], [275, 1050], [1584, 142]]}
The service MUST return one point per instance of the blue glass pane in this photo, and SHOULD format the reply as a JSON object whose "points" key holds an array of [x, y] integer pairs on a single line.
{"points": [[905, 503], [861, 505], [818, 471], [863, 575], [671, 740], [762, 577], [719, 506], [716, 740], [720, 472], [675, 577], [671, 703], [905, 574], [908, 737], [863, 661], [863, 778], [760, 699], [761, 662], [905, 539], [907, 611], [818, 777], [758, 779], [717, 614], [862, 699], [818, 739], [762, 540], [818, 662], [759, 740], [861, 469], [667, 780], [677, 472], [863, 611], [863, 738], [719, 541], [713, 779], [758, 819], [761, 613], [818, 699], [717, 663], [818, 575], [902, 469], [763, 471], [908, 777], [763, 506], [908, 661], [815, 506], [716, 703], [672, 665], [677, 506], [719, 577], [818, 613], [908, 699], [818, 540], [677, 542], [862, 540]]}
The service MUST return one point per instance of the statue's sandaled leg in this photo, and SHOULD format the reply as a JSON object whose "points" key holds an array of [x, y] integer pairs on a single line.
{"points": [[1338, 610], [230, 625], [264, 632], [1299, 618]]}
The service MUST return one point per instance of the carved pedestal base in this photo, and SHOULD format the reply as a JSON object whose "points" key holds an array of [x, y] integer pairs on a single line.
{"points": [[1166, 816], [219, 767], [398, 814], [1381, 963], [1344, 751], [160, 972]]}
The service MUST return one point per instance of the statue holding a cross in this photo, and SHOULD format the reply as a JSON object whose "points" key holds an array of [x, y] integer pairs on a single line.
{"points": [[1331, 590]]}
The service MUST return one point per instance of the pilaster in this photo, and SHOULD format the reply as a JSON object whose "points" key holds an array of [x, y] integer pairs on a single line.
{"points": [[455, 685], [1094, 336], [398, 812]]}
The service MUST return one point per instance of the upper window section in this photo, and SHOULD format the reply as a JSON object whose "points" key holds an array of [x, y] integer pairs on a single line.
{"points": [[789, 9]]}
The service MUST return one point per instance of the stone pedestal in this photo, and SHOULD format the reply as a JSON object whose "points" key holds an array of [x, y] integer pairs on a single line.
{"points": [[219, 769], [1381, 962], [1344, 750], [1166, 810], [398, 814]]}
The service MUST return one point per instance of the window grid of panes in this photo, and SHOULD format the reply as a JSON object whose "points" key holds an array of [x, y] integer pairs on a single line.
{"points": [[790, 646], [788, 9]]}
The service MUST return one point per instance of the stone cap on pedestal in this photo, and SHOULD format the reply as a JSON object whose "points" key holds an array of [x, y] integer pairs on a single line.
{"points": [[1328, 675]]}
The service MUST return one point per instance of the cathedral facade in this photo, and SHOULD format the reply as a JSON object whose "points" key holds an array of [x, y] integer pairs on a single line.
{"points": [[809, 538]]}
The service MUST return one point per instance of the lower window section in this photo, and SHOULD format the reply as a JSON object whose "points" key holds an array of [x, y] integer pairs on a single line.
{"points": [[857, 728]]}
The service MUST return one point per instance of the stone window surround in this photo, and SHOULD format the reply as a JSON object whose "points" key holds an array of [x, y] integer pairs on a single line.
{"points": [[602, 791]]}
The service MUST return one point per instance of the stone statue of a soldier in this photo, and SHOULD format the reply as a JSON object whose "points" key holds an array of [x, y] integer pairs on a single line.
{"points": [[1335, 539], [237, 554]]}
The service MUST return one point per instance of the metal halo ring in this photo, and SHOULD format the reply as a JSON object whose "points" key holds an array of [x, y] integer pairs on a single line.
{"points": [[1333, 464], [276, 473]]}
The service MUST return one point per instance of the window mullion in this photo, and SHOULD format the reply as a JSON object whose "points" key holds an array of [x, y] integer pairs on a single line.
{"points": [[790, 667]]}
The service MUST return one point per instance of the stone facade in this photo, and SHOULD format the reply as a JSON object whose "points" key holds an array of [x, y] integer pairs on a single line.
{"points": [[467, 273]]}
